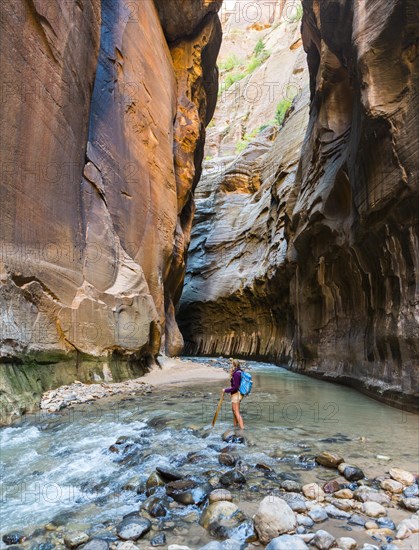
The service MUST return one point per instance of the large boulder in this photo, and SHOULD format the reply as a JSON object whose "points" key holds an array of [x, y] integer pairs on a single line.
{"points": [[273, 518]]}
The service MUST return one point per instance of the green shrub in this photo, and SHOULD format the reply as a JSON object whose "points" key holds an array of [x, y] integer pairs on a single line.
{"points": [[281, 111], [248, 137], [253, 64], [230, 63], [259, 48], [232, 78]]}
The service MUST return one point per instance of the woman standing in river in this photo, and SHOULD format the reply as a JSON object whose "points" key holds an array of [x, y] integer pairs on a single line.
{"points": [[236, 396]]}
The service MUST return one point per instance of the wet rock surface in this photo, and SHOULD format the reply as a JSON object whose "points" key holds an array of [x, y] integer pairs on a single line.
{"points": [[77, 393]]}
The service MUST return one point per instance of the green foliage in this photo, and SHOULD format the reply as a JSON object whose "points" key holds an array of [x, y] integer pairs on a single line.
{"points": [[253, 64], [281, 111], [230, 63], [248, 137], [259, 48], [232, 78], [259, 56]]}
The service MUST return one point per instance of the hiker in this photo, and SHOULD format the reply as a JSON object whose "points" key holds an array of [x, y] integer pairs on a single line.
{"points": [[236, 396]]}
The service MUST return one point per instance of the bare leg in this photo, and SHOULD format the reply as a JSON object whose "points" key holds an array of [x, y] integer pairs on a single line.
{"points": [[234, 415], [237, 416]]}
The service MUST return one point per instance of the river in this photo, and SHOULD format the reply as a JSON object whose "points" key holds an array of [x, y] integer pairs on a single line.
{"points": [[58, 469]]}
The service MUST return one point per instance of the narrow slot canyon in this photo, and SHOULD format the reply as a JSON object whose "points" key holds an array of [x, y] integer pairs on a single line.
{"points": [[205, 202]]}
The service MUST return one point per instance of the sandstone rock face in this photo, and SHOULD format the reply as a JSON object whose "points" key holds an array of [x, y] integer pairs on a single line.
{"points": [[104, 130], [353, 242], [235, 295], [316, 266]]}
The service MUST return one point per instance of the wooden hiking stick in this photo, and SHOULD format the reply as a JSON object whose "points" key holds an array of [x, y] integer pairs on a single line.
{"points": [[214, 420]]}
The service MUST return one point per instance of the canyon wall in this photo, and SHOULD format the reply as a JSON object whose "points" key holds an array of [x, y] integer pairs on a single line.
{"points": [[310, 258], [103, 124]]}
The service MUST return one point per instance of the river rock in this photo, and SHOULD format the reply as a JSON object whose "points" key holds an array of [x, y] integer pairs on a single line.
{"points": [[355, 519], [334, 512], [407, 527], [219, 514], [233, 477], [342, 467], [153, 481], [50, 546], [411, 491], [295, 501], [233, 544], [373, 509], [318, 514], [132, 528], [380, 532], [385, 522], [346, 504], [353, 473], [231, 436], [392, 486], [287, 542], [186, 491], [402, 476], [371, 525], [126, 545], [411, 503], [273, 518], [330, 460], [227, 459], [346, 543], [220, 494], [263, 467], [364, 494], [313, 491], [158, 540], [304, 521], [229, 544], [291, 486], [331, 486], [13, 537], [244, 530], [167, 474], [155, 507], [72, 540], [344, 493], [95, 544], [368, 546], [323, 540]]}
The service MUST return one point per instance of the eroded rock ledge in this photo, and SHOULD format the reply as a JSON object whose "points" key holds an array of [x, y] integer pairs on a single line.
{"points": [[323, 277]]}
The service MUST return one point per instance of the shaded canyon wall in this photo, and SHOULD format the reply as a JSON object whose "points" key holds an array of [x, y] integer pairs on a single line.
{"points": [[324, 275], [103, 124]]}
